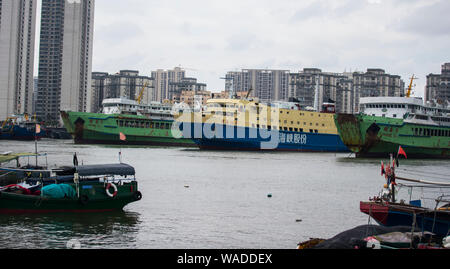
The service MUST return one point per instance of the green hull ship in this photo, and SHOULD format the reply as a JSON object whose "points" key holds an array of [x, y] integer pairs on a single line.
{"points": [[139, 125], [92, 188], [386, 123]]}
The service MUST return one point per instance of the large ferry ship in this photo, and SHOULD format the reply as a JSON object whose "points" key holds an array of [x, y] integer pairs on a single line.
{"points": [[241, 124], [141, 124], [386, 123]]}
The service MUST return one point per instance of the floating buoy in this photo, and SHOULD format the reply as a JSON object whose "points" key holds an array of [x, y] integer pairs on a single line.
{"points": [[269, 195]]}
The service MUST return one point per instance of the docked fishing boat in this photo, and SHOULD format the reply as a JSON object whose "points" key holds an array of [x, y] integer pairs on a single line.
{"points": [[141, 124], [246, 124], [20, 127], [387, 210], [86, 188], [12, 173]]}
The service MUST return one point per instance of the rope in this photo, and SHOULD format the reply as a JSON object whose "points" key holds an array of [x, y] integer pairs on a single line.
{"points": [[428, 174]]}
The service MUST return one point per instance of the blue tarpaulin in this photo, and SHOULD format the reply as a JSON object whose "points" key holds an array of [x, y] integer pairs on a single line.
{"points": [[58, 191]]}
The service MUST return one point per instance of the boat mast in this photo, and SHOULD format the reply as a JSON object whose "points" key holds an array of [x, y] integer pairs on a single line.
{"points": [[391, 163], [36, 131]]}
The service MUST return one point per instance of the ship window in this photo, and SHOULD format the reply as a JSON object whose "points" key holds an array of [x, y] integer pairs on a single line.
{"points": [[296, 129], [301, 130], [290, 129], [311, 130], [395, 115], [316, 131], [157, 125]]}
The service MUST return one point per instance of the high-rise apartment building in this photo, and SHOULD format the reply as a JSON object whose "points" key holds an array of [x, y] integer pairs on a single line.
{"points": [[267, 85], [65, 57], [438, 85], [186, 85], [163, 79], [126, 83], [375, 82], [17, 39], [312, 87]]}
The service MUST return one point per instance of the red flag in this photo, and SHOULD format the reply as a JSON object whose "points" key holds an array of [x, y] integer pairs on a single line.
{"points": [[122, 136], [401, 152]]}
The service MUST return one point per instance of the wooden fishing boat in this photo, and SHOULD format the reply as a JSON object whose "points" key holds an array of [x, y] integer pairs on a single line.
{"points": [[388, 210], [88, 188], [388, 214]]}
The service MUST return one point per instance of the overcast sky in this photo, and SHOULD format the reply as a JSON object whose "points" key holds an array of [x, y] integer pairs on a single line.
{"points": [[210, 37]]}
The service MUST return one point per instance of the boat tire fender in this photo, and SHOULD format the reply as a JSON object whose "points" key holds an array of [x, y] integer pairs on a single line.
{"points": [[84, 199], [137, 195], [108, 187]]}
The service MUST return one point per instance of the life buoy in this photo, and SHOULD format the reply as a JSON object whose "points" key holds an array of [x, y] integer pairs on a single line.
{"points": [[108, 187]]}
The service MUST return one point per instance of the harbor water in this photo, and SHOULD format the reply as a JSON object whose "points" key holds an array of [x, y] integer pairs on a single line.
{"points": [[210, 199]]}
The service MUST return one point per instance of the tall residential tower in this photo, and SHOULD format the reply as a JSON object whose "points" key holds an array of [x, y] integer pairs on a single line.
{"points": [[17, 37], [65, 58]]}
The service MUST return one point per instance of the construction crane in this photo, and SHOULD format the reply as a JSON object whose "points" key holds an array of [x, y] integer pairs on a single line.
{"points": [[141, 93], [409, 91]]}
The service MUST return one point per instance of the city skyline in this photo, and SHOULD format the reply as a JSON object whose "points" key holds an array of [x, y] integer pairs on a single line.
{"points": [[213, 38]]}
